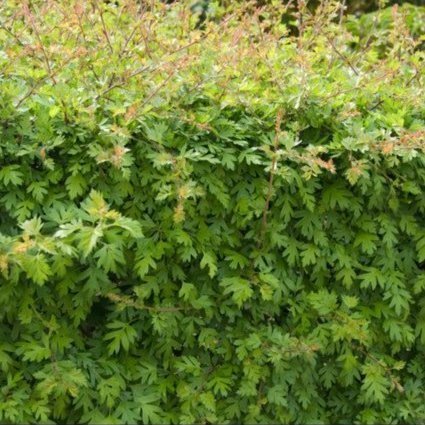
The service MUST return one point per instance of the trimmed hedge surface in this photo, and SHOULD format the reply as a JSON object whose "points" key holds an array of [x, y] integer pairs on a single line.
{"points": [[211, 226]]}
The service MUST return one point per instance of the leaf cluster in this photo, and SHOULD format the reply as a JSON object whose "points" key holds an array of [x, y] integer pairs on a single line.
{"points": [[211, 225]]}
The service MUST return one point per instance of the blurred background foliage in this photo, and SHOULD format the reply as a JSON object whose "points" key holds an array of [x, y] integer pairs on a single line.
{"points": [[361, 12], [357, 7], [353, 6]]}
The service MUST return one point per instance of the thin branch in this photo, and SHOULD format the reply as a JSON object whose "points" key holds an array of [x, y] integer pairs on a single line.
{"points": [[37, 34], [12, 34], [105, 30], [344, 58], [143, 69], [341, 11], [271, 178], [126, 300]]}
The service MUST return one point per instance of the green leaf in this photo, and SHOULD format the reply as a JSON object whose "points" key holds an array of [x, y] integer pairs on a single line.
{"points": [[209, 259], [37, 268], [239, 288], [110, 389], [32, 227], [110, 257], [88, 238], [149, 406], [420, 247], [336, 196], [278, 396], [11, 174], [323, 301], [144, 264], [349, 301], [76, 185], [236, 260], [375, 384], [187, 291], [121, 337], [132, 226], [372, 278], [367, 242], [38, 190], [189, 364], [309, 255]]}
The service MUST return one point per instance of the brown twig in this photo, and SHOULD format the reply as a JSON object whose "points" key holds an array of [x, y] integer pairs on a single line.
{"points": [[143, 69], [43, 50], [126, 300], [271, 177], [105, 30], [344, 58]]}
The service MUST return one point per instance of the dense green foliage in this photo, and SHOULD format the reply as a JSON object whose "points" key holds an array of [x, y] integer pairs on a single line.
{"points": [[218, 225]]}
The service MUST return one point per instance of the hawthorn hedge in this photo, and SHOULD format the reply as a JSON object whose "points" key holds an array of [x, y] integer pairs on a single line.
{"points": [[211, 226]]}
